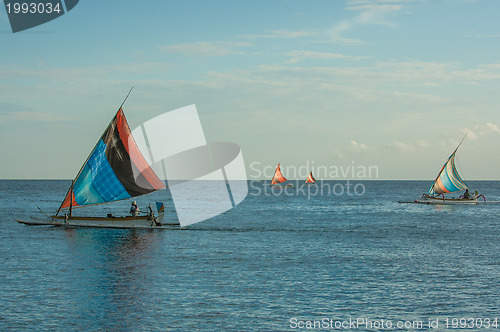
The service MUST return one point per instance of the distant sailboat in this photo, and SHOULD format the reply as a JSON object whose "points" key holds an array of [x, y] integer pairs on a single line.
{"points": [[449, 181], [278, 176], [310, 179]]}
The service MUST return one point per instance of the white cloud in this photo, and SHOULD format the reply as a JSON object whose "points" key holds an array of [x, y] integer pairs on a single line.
{"points": [[340, 155], [482, 130], [358, 146], [474, 34], [353, 148], [401, 146], [491, 66], [299, 55], [336, 153], [336, 33], [367, 94], [283, 34], [432, 73], [472, 135], [418, 144], [205, 49], [370, 12], [29, 116], [70, 74], [421, 143]]}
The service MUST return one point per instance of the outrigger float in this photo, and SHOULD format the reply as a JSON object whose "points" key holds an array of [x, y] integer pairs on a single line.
{"points": [[449, 181], [115, 170], [110, 221]]}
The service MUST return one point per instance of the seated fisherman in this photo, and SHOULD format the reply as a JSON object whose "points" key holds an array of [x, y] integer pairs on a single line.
{"points": [[134, 209]]}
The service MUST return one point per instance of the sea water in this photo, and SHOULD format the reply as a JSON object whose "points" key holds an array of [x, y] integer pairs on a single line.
{"points": [[279, 261]]}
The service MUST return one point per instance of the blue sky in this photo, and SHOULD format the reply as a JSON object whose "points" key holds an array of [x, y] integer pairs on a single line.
{"points": [[387, 83]]}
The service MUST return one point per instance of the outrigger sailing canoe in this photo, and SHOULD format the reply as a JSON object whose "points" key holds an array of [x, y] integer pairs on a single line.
{"points": [[310, 179], [449, 181], [279, 178], [107, 176]]}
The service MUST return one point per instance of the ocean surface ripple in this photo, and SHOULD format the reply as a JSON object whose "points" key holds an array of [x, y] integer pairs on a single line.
{"points": [[271, 259]]}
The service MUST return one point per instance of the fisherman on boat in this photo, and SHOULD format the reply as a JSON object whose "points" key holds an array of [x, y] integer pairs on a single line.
{"points": [[466, 194], [134, 209]]}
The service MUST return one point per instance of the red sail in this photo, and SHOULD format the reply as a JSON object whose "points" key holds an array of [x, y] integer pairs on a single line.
{"points": [[310, 178], [278, 177]]}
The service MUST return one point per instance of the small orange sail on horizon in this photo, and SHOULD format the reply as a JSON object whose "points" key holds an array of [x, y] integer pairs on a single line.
{"points": [[278, 177], [310, 178]]}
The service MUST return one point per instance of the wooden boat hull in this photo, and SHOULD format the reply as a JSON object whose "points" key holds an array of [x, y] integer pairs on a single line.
{"points": [[448, 201], [102, 222]]}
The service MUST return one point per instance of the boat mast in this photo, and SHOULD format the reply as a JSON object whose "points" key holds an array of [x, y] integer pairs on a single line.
{"points": [[71, 198], [128, 94], [70, 190]]}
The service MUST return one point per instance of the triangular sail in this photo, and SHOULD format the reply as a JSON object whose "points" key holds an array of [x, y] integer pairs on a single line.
{"points": [[448, 179], [108, 173], [310, 178], [278, 177]]}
